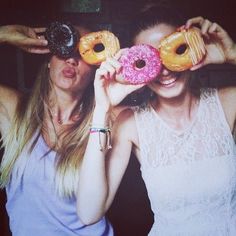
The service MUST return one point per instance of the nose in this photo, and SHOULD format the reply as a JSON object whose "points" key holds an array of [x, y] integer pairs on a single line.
{"points": [[165, 71], [72, 61]]}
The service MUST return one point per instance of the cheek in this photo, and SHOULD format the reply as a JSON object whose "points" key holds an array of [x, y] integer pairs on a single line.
{"points": [[153, 86], [53, 73]]}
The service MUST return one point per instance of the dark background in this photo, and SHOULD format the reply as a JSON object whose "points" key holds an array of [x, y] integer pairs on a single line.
{"points": [[130, 212]]}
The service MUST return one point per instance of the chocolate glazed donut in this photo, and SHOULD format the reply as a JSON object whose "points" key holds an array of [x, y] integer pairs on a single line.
{"points": [[62, 38]]}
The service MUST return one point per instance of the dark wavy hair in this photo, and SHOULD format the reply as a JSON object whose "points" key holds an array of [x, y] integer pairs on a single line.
{"points": [[153, 14], [149, 15]]}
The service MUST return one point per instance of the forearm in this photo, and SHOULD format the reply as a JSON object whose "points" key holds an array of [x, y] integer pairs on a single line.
{"points": [[231, 55], [3, 34], [10, 34], [93, 187]]}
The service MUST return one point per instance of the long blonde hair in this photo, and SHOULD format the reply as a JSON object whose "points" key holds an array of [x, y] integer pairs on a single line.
{"points": [[29, 119]]}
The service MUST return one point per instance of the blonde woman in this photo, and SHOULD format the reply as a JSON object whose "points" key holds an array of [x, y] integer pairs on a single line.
{"points": [[44, 137]]}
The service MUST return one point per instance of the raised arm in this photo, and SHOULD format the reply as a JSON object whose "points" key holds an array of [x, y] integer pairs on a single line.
{"points": [[220, 49], [27, 39], [102, 170]]}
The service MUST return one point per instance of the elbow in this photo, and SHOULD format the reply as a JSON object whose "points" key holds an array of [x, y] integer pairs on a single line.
{"points": [[90, 214], [89, 218], [89, 221]]}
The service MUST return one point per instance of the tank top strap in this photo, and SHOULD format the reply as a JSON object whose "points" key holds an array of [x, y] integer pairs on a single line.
{"points": [[211, 102], [147, 127]]}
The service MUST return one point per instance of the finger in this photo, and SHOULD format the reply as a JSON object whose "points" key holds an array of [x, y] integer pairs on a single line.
{"points": [[195, 20], [115, 63], [101, 73], [213, 28], [35, 42], [182, 27], [196, 67], [39, 30], [120, 52], [36, 33], [36, 50], [206, 24], [109, 68], [41, 37], [40, 51]]}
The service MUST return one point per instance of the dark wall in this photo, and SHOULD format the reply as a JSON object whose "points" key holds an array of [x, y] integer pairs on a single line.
{"points": [[130, 212]]}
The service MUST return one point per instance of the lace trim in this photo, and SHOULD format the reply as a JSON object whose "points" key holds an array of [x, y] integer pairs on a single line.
{"points": [[208, 135]]}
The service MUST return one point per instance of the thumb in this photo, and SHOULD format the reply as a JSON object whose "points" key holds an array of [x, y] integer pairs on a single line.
{"points": [[196, 67]]}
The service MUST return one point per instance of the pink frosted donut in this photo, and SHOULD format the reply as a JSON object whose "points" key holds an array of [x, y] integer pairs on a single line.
{"points": [[141, 64]]}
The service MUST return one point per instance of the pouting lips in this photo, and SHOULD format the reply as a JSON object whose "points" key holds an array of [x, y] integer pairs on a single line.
{"points": [[69, 72]]}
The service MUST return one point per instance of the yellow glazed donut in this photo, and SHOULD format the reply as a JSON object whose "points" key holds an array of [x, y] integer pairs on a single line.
{"points": [[183, 49], [95, 47]]}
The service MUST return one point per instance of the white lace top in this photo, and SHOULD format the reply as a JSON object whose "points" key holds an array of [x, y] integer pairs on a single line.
{"points": [[190, 176]]}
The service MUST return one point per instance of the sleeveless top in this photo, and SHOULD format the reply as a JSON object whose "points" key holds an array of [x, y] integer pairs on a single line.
{"points": [[190, 176], [33, 206]]}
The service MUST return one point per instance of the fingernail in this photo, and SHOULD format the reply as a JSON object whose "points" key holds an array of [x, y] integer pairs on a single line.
{"points": [[44, 42]]}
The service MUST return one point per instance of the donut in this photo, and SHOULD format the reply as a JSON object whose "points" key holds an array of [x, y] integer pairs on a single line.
{"points": [[95, 47], [140, 64], [182, 49], [62, 38]]}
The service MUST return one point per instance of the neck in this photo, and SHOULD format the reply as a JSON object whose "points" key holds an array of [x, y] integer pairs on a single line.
{"points": [[64, 108], [178, 111]]}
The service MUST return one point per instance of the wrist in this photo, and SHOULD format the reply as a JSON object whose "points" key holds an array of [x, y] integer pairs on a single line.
{"points": [[232, 55], [3, 30], [101, 117]]}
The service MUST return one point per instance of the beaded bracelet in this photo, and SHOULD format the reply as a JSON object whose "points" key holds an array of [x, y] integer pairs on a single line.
{"points": [[107, 132]]}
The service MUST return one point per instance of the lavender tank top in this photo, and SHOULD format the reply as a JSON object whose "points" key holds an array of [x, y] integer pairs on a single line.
{"points": [[33, 206]]}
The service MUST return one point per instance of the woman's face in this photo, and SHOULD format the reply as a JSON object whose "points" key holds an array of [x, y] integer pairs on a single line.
{"points": [[71, 74], [168, 84]]}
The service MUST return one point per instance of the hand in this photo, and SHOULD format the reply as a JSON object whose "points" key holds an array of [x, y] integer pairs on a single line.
{"points": [[24, 37], [109, 90], [219, 46]]}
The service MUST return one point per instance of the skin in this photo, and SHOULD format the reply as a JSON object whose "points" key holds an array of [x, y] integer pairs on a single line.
{"points": [[175, 104], [26, 39]]}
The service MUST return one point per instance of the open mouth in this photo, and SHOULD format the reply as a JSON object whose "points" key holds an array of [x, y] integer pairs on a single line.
{"points": [[168, 80]]}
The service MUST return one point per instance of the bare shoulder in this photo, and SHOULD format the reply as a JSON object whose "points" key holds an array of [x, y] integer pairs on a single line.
{"points": [[9, 98], [228, 100], [8, 103]]}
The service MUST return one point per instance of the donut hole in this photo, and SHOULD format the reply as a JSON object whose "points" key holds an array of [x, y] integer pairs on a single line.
{"points": [[181, 49], [99, 47], [139, 64], [61, 36]]}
